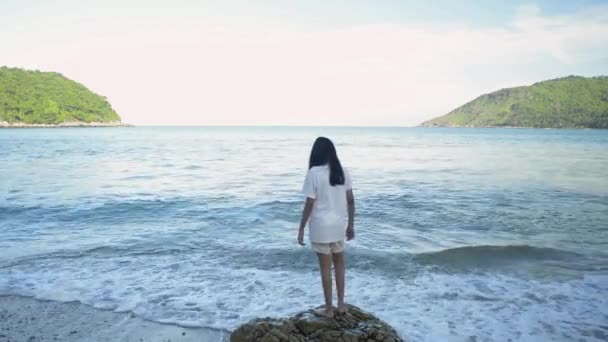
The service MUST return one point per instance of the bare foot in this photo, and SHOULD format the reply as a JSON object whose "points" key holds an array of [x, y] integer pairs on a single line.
{"points": [[342, 309], [325, 312]]}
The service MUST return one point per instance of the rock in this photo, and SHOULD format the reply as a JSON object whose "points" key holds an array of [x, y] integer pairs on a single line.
{"points": [[350, 337], [5, 124], [331, 335], [354, 326], [308, 323]]}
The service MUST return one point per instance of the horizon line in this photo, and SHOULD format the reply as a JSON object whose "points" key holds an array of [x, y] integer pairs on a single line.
{"points": [[275, 126]]}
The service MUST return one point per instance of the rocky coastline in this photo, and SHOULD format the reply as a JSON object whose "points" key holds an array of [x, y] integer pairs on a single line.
{"points": [[5, 124]]}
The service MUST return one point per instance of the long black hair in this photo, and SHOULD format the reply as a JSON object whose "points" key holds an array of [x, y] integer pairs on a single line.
{"points": [[324, 153]]}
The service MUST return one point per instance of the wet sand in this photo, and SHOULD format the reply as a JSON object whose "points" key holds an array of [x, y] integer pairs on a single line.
{"points": [[28, 319]]}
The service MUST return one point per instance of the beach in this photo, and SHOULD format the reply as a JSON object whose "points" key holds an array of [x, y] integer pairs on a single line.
{"points": [[462, 234], [28, 319]]}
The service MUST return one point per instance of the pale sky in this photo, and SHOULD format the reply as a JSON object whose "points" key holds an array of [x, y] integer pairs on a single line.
{"points": [[346, 63]]}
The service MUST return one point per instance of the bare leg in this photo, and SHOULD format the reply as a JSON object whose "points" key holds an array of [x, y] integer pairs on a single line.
{"points": [[338, 259], [325, 268]]}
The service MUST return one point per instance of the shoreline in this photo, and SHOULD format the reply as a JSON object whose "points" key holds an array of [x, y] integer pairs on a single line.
{"points": [[4, 124], [509, 127], [30, 319]]}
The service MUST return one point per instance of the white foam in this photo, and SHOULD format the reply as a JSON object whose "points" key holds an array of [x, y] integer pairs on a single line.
{"points": [[423, 307]]}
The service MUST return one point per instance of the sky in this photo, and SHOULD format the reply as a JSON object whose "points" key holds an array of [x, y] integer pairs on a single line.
{"points": [[304, 63]]}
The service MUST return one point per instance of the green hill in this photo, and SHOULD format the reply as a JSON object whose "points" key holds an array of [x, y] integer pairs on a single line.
{"points": [[569, 102], [34, 97]]}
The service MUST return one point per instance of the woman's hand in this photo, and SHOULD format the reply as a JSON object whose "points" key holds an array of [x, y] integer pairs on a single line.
{"points": [[350, 233], [301, 237]]}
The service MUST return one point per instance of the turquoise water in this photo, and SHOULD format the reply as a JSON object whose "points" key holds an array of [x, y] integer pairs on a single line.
{"points": [[463, 234]]}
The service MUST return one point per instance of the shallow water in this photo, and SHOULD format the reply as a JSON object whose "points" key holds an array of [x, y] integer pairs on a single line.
{"points": [[463, 234]]}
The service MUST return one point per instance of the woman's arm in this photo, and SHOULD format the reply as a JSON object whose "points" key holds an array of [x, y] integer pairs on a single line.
{"points": [[308, 205], [350, 230]]}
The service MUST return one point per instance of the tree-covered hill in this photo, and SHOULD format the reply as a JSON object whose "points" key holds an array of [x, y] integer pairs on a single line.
{"points": [[34, 97], [569, 102]]}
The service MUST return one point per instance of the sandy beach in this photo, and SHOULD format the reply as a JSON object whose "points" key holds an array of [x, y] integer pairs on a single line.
{"points": [[28, 319]]}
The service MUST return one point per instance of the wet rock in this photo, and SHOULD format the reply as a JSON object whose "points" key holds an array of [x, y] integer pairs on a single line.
{"points": [[354, 326]]}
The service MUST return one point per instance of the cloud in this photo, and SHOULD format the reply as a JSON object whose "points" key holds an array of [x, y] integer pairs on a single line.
{"points": [[381, 74]]}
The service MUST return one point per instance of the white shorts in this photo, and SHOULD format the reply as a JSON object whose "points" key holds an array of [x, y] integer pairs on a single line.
{"points": [[328, 248]]}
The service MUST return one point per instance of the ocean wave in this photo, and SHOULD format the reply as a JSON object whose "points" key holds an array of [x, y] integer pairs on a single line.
{"points": [[108, 210], [221, 297], [484, 258], [489, 254]]}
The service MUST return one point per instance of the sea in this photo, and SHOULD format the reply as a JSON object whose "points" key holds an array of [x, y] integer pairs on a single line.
{"points": [[462, 234]]}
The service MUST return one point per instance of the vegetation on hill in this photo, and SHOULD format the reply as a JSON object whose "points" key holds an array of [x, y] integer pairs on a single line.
{"points": [[34, 97], [569, 102]]}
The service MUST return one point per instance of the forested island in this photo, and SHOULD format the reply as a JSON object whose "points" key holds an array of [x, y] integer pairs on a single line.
{"points": [[568, 102], [48, 99]]}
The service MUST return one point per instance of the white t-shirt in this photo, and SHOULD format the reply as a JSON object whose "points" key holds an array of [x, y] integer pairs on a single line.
{"points": [[329, 216]]}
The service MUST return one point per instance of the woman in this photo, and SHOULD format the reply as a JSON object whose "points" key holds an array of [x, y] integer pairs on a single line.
{"points": [[330, 206]]}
